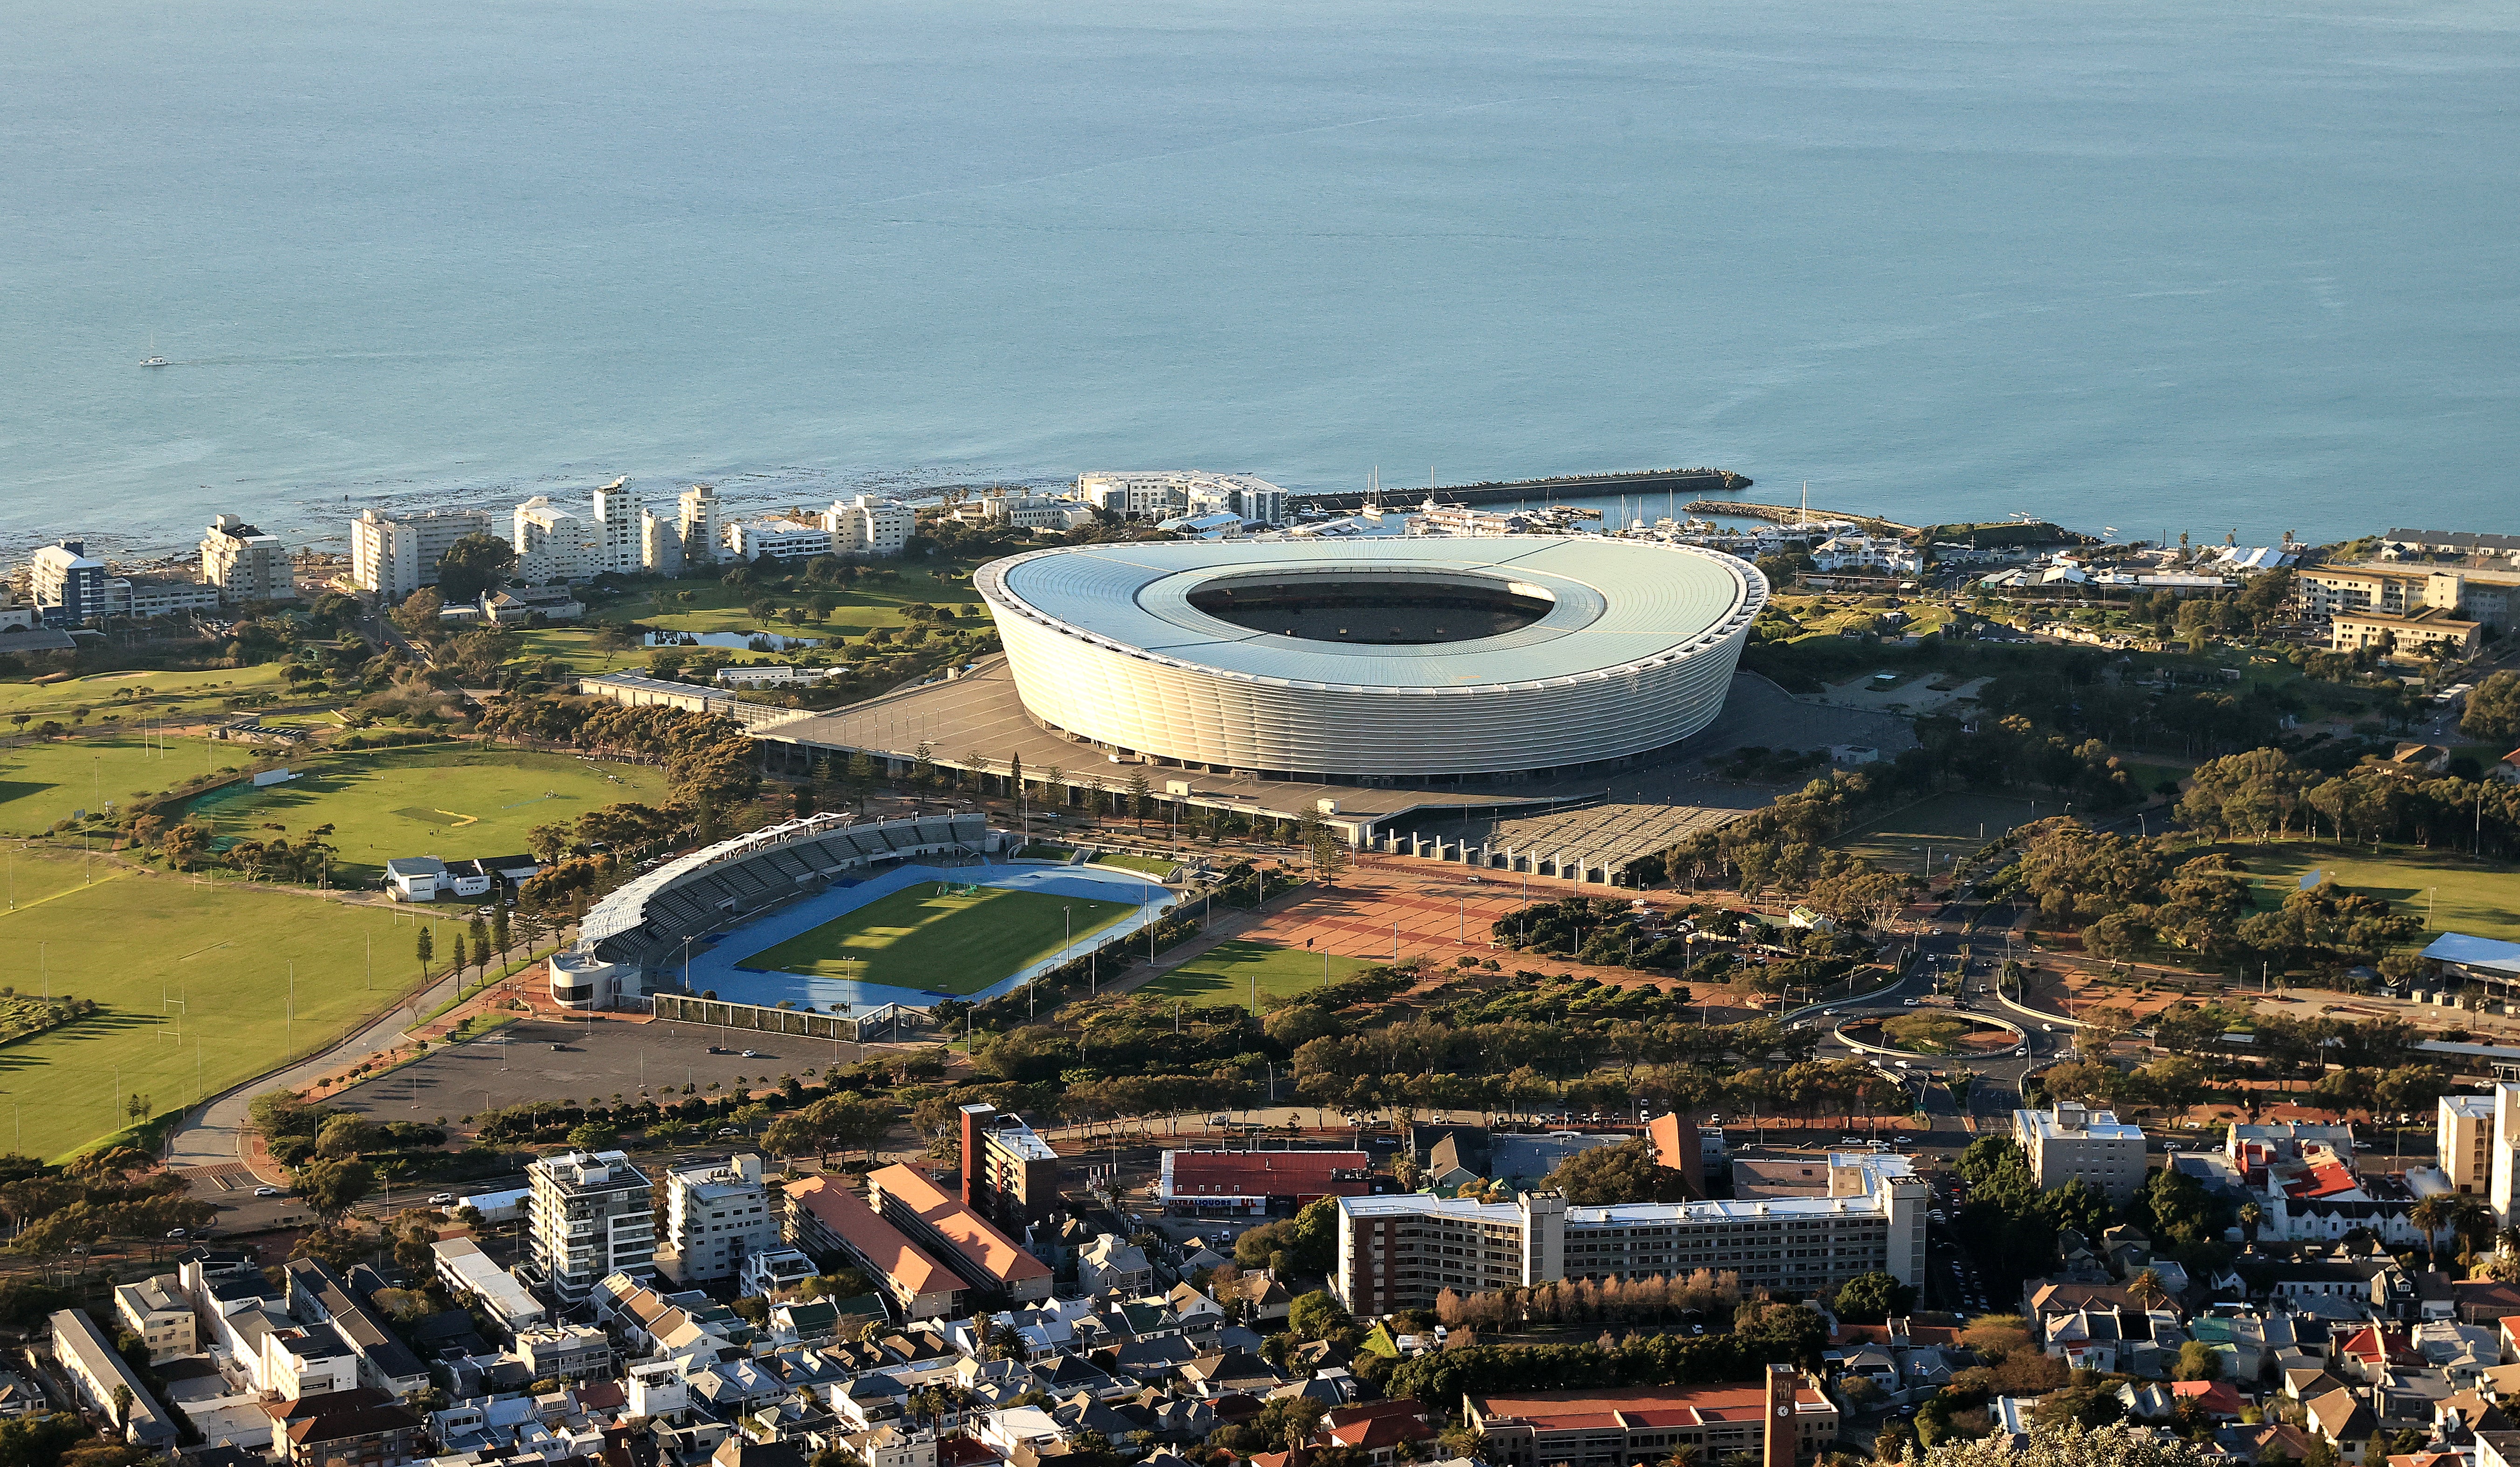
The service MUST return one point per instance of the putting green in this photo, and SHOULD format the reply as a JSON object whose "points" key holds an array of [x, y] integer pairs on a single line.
{"points": [[942, 937]]}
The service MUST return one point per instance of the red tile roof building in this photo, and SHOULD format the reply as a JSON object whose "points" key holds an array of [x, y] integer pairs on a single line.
{"points": [[1246, 1183], [1615, 1428], [825, 1217], [956, 1236]]}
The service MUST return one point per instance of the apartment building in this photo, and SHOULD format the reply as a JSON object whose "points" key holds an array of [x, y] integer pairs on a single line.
{"points": [[1399, 1251], [2406, 543], [66, 586], [957, 1236], [149, 596], [2426, 629], [470, 1273], [779, 538], [245, 563], [696, 518], [2464, 1133], [2070, 1142], [592, 1216], [1032, 511], [1780, 1420], [717, 1215], [1010, 1173], [1160, 493], [394, 554], [823, 1216], [869, 527], [95, 1371], [619, 544], [156, 1310], [553, 544]]}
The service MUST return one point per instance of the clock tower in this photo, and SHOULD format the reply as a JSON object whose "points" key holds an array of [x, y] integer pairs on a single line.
{"points": [[1785, 1433]]}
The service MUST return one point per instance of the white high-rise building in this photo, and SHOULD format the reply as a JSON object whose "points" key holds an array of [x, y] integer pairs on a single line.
{"points": [[592, 1216], [2074, 1143], [553, 544], [660, 544], [869, 527], [699, 522], [244, 564], [394, 554], [2465, 1132], [619, 544], [717, 1215]]}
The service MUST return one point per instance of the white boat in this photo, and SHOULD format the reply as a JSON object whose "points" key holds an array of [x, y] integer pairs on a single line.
{"points": [[152, 359]]}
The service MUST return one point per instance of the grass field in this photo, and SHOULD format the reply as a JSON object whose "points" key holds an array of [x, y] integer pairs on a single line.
{"points": [[157, 950], [450, 802], [135, 694], [1949, 824], [42, 782], [2478, 897], [952, 943], [861, 608], [1226, 973]]}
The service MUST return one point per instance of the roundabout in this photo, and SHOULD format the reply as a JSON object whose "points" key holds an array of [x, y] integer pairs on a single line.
{"points": [[1932, 1034]]}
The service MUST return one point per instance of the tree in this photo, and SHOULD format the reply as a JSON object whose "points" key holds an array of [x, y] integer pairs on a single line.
{"points": [[1870, 1298], [2069, 1444], [424, 944], [417, 613], [2148, 1289], [473, 564], [2197, 1362], [1606, 1175], [1316, 1316], [334, 1187], [2456, 1214], [2494, 708]]}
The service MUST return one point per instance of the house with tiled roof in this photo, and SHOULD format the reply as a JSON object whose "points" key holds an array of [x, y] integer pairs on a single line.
{"points": [[1378, 1429], [2216, 1398], [2344, 1420]]}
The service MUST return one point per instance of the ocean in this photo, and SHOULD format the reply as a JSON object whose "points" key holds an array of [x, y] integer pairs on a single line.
{"points": [[2145, 267]]}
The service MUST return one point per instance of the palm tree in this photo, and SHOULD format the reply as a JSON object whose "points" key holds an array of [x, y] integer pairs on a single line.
{"points": [[2147, 1289], [2444, 1211], [2252, 1218]]}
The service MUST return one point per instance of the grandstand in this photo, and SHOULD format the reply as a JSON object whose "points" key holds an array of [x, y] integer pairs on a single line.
{"points": [[633, 935]]}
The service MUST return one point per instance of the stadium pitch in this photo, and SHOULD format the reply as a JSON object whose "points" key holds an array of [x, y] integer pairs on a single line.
{"points": [[942, 937]]}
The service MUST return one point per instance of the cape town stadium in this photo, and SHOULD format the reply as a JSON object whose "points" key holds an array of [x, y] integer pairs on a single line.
{"points": [[1375, 659]]}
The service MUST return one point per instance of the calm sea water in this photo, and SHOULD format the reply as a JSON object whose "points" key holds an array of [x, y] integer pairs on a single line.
{"points": [[2159, 266]]}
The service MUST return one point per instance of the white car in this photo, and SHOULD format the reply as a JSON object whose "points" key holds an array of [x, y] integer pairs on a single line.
{"points": [[1909, 1003], [267, 1192], [442, 1200]]}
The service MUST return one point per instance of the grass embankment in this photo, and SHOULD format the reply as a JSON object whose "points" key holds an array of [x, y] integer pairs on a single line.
{"points": [[1232, 972], [454, 803], [943, 937], [166, 955], [1147, 865]]}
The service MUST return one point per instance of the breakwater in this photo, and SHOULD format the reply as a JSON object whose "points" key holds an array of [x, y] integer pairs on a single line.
{"points": [[1507, 491], [1791, 514]]}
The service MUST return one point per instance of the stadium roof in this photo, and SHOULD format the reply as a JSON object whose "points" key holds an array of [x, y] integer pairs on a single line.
{"points": [[1618, 605]]}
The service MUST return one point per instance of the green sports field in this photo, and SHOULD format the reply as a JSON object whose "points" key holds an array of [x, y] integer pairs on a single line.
{"points": [[1225, 974], [451, 802], [2479, 898], [45, 781], [950, 942], [163, 953]]}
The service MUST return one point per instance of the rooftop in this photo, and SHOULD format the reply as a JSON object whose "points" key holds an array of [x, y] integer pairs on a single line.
{"points": [[1643, 1407], [846, 1215], [1263, 1174], [964, 1231], [2061, 1124]]}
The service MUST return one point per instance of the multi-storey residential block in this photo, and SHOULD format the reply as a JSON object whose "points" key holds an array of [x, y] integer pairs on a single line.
{"points": [[394, 554], [869, 527], [2466, 1134], [66, 586], [1010, 1173], [1780, 1420], [2073, 1142], [660, 544], [618, 543], [779, 539], [591, 1216], [2427, 629], [156, 1310], [245, 563], [717, 1215], [1399, 1251], [825, 1217], [1159, 494], [958, 1237], [554, 544], [697, 517]]}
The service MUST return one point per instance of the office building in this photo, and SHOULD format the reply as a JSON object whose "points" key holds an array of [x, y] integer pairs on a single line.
{"points": [[591, 1216], [697, 517], [956, 1236], [66, 586], [554, 545], [717, 1215], [1399, 1251], [868, 526], [825, 1217], [1010, 1173], [2071, 1142], [1782, 1419], [245, 563], [394, 554]]}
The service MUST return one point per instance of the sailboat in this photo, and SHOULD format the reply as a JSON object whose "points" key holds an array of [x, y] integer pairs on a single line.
{"points": [[152, 359]]}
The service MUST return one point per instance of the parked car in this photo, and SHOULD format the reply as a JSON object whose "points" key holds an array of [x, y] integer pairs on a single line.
{"points": [[442, 1200], [267, 1192], [752, 1054]]}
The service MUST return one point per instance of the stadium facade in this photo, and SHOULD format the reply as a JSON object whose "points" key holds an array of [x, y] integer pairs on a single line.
{"points": [[1375, 661]]}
